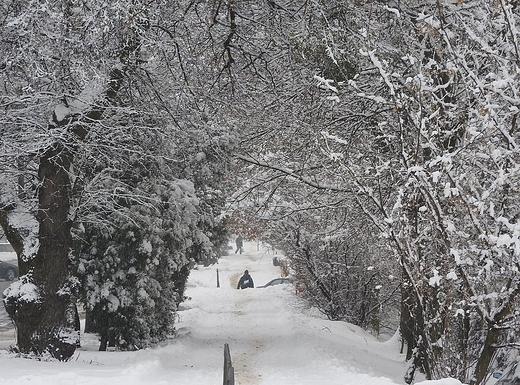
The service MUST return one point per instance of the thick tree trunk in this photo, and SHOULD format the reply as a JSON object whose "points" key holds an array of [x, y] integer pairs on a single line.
{"points": [[44, 324], [52, 260]]}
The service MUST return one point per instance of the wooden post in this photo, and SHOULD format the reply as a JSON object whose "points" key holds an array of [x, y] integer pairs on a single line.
{"points": [[229, 371], [218, 280]]}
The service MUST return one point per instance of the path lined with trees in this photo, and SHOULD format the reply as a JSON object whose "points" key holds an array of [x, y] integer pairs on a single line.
{"points": [[376, 144]]}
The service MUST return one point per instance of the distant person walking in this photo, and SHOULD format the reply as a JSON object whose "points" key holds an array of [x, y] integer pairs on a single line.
{"points": [[240, 244], [245, 281]]}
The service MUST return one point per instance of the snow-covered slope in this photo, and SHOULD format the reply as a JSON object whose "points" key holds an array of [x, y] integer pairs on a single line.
{"points": [[274, 339]]}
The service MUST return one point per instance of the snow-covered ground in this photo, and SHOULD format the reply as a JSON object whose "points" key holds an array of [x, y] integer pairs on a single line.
{"points": [[274, 340]]}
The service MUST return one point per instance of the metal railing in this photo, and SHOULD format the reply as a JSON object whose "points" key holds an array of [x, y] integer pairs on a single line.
{"points": [[229, 371]]}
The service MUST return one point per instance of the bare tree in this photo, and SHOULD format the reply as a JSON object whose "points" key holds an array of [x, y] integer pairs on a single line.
{"points": [[423, 136]]}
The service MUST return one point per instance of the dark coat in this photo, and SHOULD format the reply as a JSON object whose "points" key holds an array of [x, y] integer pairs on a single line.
{"points": [[245, 282]]}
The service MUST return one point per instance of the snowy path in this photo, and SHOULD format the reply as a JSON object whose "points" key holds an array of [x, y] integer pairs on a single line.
{"points": [[273, 341]]}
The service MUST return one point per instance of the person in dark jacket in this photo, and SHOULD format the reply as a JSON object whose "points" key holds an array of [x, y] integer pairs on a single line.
{"points": [[245, 281], [240, 244]]}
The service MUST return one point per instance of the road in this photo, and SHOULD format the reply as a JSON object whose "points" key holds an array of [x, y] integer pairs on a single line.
{"points": [[5, 323], [7, 331]]}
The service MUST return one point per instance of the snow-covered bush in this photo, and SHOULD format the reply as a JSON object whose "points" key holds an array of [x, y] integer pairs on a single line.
{"points": [[134, 266]]}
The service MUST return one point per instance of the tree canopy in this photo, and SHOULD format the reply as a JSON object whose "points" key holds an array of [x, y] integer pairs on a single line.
{"points": [[374, 143]]}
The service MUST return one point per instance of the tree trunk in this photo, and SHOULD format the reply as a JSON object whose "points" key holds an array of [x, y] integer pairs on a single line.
{"points": [[487, 353], [43, 325], [414, 331], [406, 326]]}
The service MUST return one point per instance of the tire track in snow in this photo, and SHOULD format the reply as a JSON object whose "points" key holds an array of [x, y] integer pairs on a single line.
{"points": [[244, 361]]}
